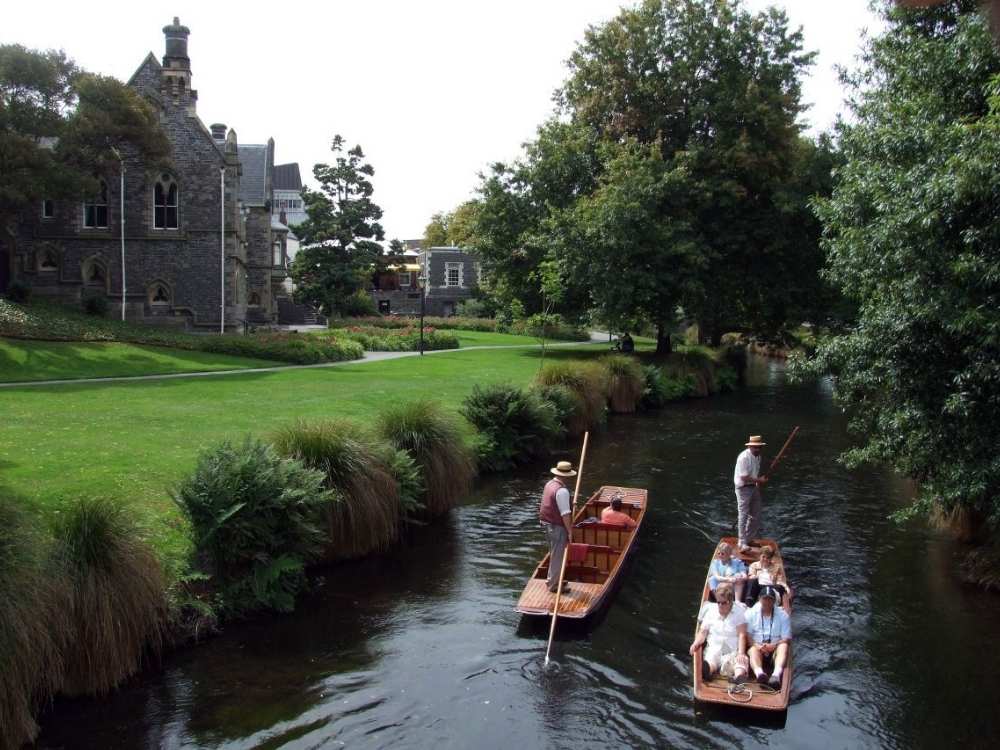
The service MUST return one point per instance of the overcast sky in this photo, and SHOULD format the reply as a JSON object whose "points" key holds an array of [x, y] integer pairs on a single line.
{"points": [[434, 91]]}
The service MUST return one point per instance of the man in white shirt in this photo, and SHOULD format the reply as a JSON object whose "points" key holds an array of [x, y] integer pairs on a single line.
{"points": [[749, 503]]}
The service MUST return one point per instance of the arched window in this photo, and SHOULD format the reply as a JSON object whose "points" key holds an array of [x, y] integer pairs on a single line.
{"points": [[254, 300], [158, 294], [165, 203], [48, 259], [95, 274], [95, 209]]}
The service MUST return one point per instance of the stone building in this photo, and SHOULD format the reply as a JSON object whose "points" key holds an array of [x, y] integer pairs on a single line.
{"points": [[199, 246], [451, 276]]}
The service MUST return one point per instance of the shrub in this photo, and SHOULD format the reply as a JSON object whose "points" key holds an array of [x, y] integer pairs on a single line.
{"points": [[96, 305], [589, 381], [298, 349], [117, 605], [514, 425], [549, 326], [399, 321], [18, 291], [434, 440], [256, 519], [366, 514], [380, 339], [565, 401], [726, 379], [626, 382], [474, 308], [359, 303], [34, 626], [409, 478], [656, 391]]}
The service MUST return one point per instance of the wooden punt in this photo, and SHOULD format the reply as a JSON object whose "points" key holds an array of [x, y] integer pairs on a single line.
{"points": [[593, 579], [719, 690]]}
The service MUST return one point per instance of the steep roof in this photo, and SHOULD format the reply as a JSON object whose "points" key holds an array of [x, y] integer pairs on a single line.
{"points": [[146, 79], [253, 181], [286, 177]]}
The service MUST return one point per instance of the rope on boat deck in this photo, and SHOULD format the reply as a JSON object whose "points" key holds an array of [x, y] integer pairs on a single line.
{"points": [[736, 690]]}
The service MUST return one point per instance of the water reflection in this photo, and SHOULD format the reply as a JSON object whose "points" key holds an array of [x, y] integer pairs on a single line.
{"points": [[422, 647]]}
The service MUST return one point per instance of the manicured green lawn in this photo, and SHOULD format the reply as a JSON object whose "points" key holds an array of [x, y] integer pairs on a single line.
{"points": [[487, 338], [24, 360], [133, 441]]}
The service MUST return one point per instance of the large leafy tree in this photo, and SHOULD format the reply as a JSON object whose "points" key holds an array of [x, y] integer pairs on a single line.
{"points": [[912, 232], [716, 89], [59, 127], [341, 236]]}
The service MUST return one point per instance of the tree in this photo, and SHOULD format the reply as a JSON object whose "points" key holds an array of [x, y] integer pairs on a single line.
{"points": [[462, 225], [911, 233], [341, 236], [717, 90], [436, 232], [58, 126]]}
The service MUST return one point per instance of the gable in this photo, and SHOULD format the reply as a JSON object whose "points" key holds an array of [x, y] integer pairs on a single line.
{"points": [[146, 79]]}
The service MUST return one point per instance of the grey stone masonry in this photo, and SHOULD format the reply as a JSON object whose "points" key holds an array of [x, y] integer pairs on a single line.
{"points": [[181, 249]]}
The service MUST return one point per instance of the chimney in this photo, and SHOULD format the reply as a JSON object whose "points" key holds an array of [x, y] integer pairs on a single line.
{"points": [[177, 46], [219, 132]]}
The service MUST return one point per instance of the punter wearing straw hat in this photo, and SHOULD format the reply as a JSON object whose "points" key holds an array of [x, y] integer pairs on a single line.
{"points": [[555, 514], [749, 503]]}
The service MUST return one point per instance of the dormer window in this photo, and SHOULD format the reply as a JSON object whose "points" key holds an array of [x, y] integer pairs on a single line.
{"points": [[95, 210], [165, 203]]}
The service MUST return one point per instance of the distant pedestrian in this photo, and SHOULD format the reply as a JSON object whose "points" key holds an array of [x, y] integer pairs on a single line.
{"points": [[555, 514], [749, 502]]}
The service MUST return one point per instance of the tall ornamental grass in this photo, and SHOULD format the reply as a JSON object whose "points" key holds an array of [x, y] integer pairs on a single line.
{"points": [[434, 439], [257, 520], [117, 604], [589, 381], [626, 382], [514, 425], [34, 625], [366, 514]]}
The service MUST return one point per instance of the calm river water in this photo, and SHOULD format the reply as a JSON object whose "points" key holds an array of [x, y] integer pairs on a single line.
{"points": [[422, 648]]}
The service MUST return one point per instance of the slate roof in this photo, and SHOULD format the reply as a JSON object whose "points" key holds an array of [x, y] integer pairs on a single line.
{"points": [[253, 181], [286, 177], [277, 226]]}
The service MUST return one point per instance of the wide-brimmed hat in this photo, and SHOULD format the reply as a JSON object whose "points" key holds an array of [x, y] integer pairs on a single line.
{"points": [[757, 440], [563, 469]]}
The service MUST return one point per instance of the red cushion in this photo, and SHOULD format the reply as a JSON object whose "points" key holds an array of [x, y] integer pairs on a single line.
{"points": [[578, 552]]}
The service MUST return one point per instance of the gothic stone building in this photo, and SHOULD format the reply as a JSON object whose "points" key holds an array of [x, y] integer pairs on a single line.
{"points": [[196, 232]]}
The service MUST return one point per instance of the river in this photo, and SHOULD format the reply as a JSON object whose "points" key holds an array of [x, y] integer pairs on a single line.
{"points": [[421, 647]]}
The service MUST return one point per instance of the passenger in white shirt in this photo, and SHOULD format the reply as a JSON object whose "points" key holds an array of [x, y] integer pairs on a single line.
{"points": [[724, 628]]}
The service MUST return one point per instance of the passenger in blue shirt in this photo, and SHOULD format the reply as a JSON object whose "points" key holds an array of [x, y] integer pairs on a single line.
{"points": [[725, 567], [769, 630]]}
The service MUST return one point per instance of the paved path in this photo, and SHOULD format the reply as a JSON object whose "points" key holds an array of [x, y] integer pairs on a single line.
{"points": [[595, 337]]}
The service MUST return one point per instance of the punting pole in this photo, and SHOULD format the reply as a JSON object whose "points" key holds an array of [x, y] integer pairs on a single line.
{"points": [[562, 569], [781, 453]]}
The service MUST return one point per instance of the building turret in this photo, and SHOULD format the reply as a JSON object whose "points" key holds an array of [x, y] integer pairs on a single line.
{"points": [[177, 46], [176, 84]]}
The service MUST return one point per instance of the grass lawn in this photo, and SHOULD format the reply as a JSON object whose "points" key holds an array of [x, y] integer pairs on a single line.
{"points": [[25, 360], [487, 338], [133, 441]]}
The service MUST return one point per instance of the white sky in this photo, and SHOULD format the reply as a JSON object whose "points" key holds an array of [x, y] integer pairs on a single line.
{"points": [[433, 90]]}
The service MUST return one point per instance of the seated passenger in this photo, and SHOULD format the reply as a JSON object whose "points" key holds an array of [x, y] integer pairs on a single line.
{"points": [[724, 628], [613, 514], [766, 572], [727, 569], [770, 631]]}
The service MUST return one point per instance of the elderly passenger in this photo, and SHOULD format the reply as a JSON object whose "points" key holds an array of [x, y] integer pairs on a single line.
{"points": [[724, 628], [770, 632], [727, 569]]}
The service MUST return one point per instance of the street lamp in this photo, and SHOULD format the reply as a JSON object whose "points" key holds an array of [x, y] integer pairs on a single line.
{"points": [[423, 296]]}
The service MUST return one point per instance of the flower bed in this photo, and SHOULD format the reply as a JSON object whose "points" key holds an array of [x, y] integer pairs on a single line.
{"points": [[378, 339], [554, 329]]}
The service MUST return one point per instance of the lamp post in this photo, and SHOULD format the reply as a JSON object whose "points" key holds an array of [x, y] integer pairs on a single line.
{"points": [[423, 296]]}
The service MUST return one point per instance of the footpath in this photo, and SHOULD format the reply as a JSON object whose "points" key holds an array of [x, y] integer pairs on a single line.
{"points": [[596, 337]]}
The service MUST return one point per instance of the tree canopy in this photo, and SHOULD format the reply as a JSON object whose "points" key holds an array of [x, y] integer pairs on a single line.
{"points": [[678, 124], [340, 239], [912, 231], [58, 126]]}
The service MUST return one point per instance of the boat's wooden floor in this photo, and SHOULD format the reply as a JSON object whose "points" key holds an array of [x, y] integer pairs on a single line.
{"points": [[718, 690], [537, 599]]}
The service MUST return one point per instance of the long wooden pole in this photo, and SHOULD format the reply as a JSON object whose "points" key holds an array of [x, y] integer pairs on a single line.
{"points": [[569, 541], [781, 453]]}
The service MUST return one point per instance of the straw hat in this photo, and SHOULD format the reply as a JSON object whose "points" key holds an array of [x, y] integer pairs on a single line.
{"points": [[756, 440], [564, 469]]}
